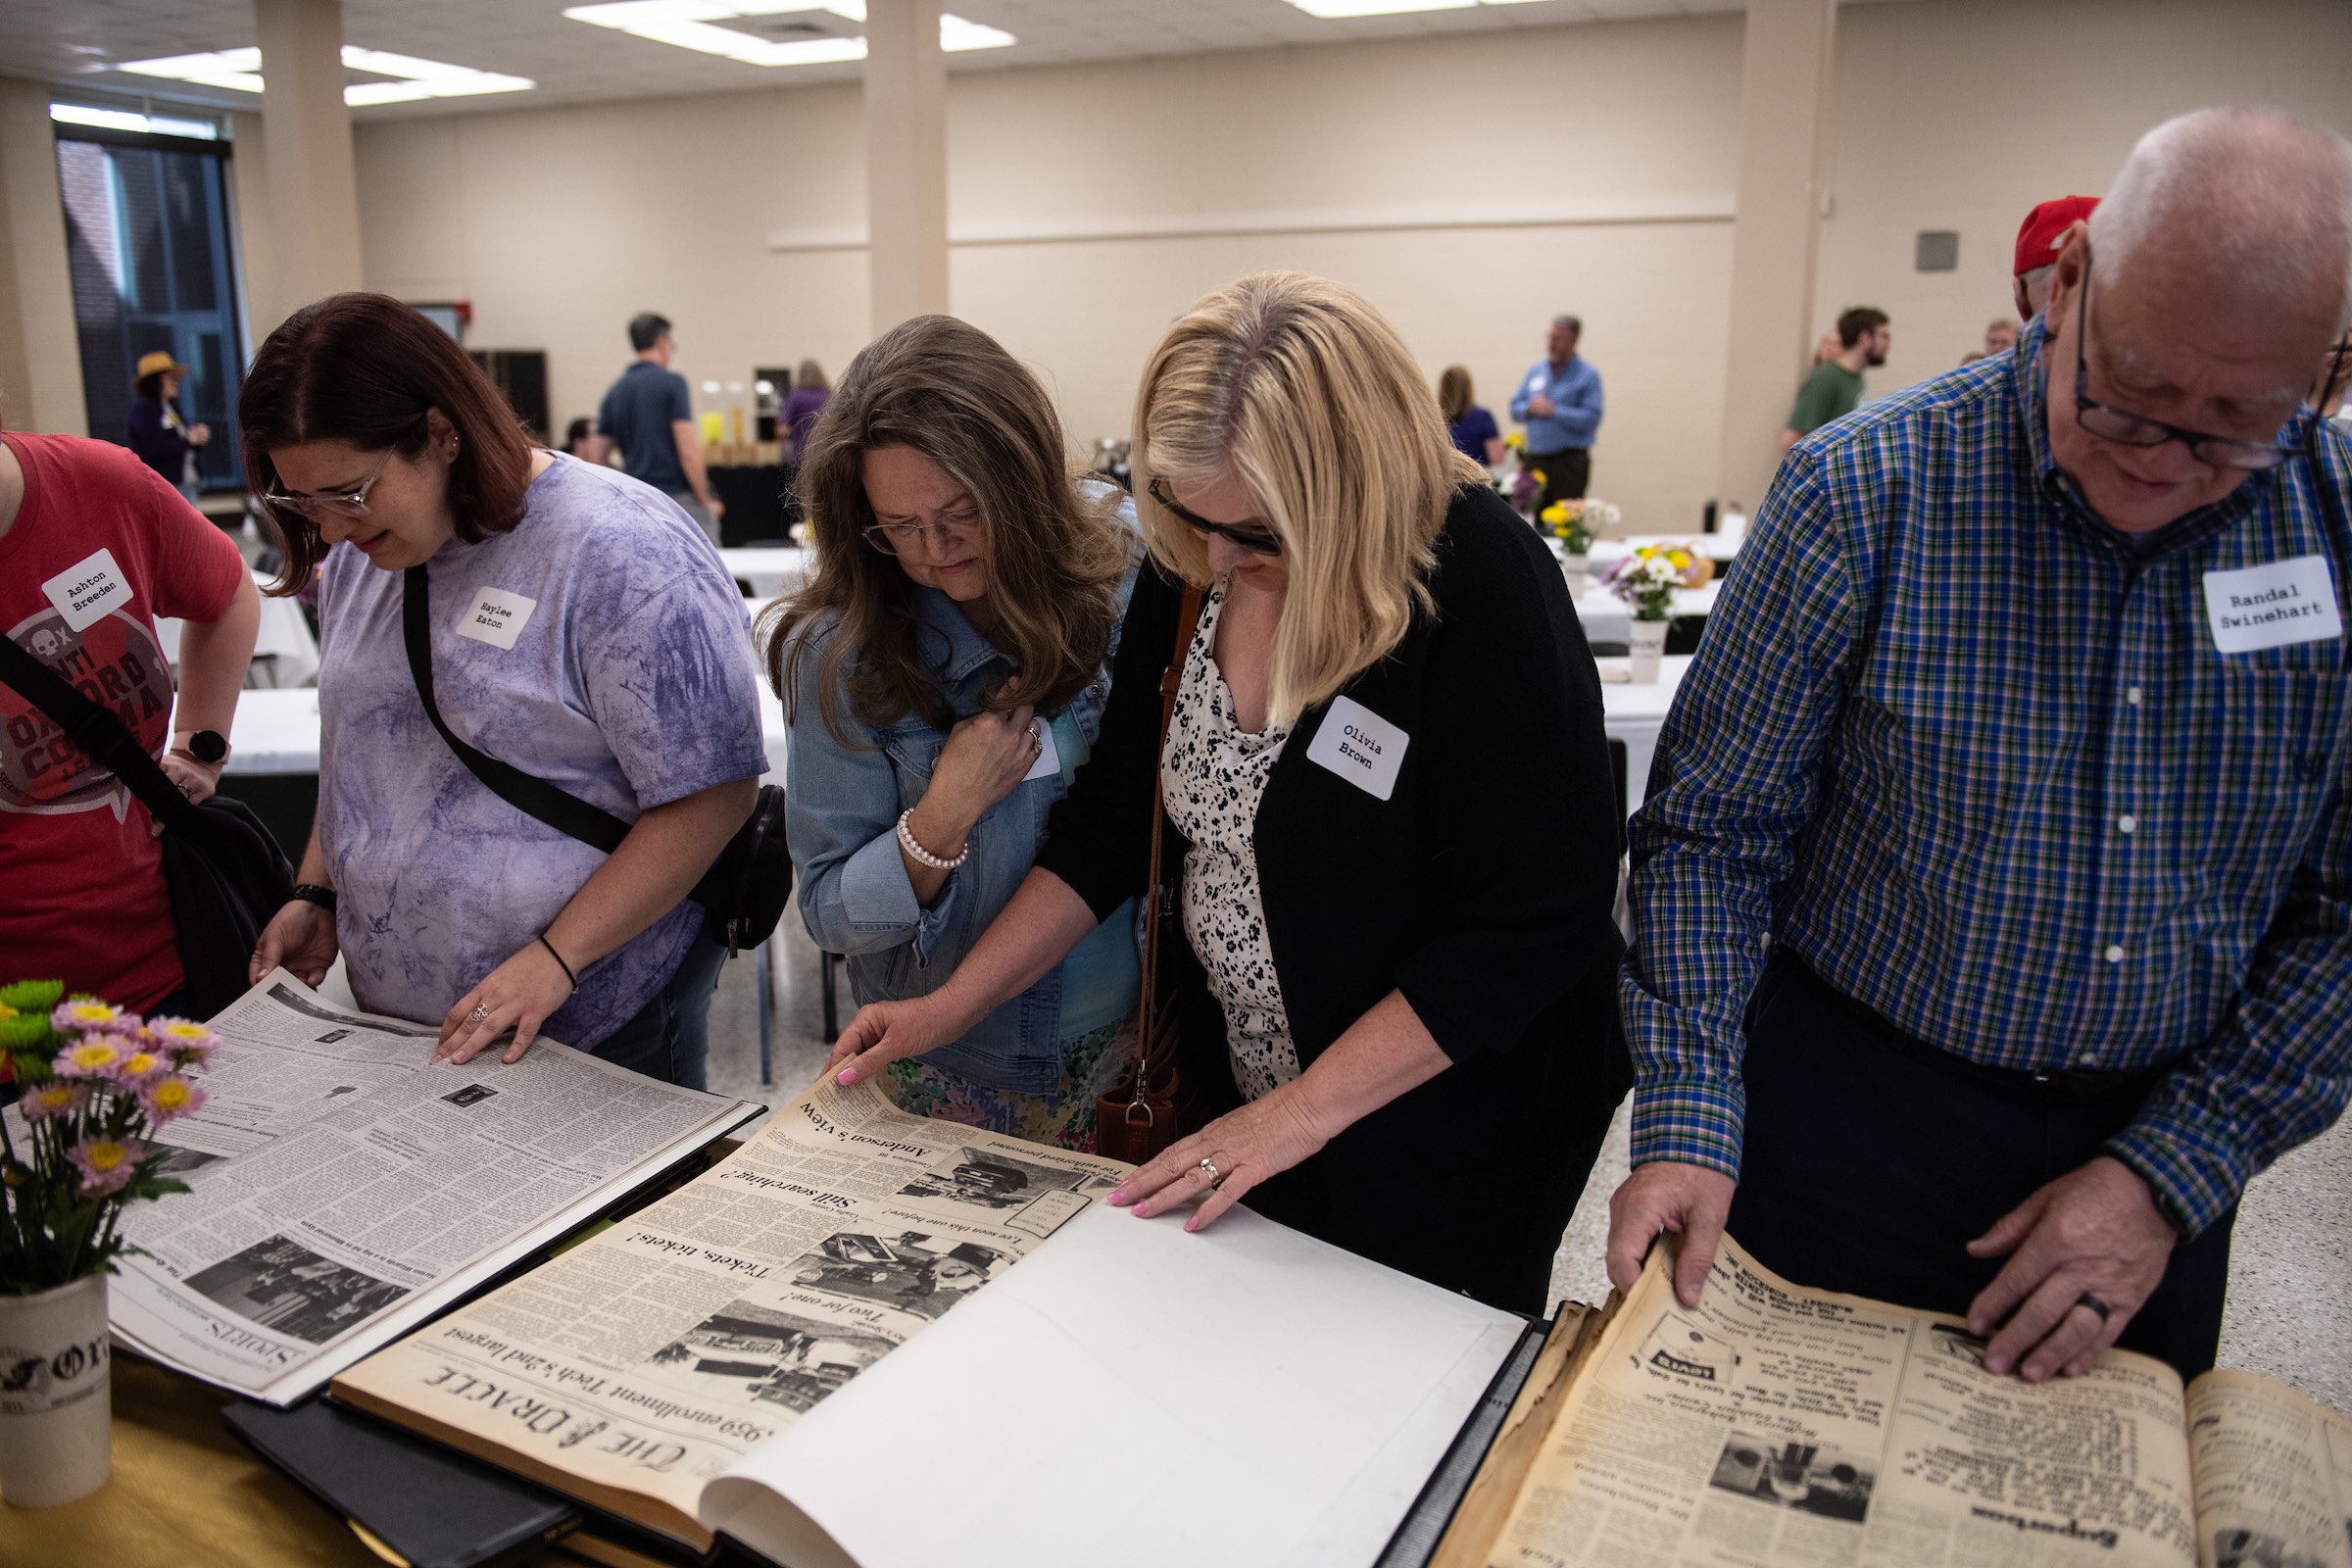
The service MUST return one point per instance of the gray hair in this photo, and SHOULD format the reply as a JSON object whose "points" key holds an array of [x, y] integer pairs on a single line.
{"points": [[2266, 197], [1569, 323]]}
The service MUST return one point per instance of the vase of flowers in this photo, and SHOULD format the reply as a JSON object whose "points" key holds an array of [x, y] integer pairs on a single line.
{"points": [[1523, 490], [1646, 580], [97, 1083]]}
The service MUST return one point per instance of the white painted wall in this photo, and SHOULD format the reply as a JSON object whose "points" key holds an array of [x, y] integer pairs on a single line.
{"points": [[1470, 186]]}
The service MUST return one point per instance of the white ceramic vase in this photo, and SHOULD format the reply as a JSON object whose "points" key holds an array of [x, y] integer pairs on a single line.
{"points": [[1646, 643], [56, 1403], [1578, 570]]}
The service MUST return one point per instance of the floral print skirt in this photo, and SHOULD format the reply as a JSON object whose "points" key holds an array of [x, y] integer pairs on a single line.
{"points": [[1091, 1064]]}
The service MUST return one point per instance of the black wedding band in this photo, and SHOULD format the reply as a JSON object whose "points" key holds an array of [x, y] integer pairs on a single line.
{"points": [[2095, 1304]]}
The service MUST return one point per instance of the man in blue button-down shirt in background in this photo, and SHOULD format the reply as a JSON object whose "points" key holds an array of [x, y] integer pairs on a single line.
{"points": [[1558, 401], [2020, 733]]}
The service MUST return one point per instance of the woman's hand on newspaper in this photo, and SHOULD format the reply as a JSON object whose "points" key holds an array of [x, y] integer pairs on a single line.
{"points": [[517, 995], [884, 1031], [1667, 1195], [1217, 1165], [301, 937], [2094, 1232]]}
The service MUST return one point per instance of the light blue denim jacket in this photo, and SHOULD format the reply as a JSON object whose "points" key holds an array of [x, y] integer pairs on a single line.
{"points": [[855, 896]]}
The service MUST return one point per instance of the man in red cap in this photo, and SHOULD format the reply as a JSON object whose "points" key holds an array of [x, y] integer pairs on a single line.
{"points": [[2037, 244]]}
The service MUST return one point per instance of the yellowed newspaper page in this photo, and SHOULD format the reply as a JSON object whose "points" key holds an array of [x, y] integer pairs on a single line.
{"points": [[2274, 1475], [647, 1360], [1777, 1427]]}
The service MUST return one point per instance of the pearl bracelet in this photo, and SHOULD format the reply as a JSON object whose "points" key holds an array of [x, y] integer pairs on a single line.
{"points": [[925, 857]]}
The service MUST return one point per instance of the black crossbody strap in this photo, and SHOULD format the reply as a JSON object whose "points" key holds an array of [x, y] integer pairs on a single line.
{"points": [[99, 734], [559, 809]]}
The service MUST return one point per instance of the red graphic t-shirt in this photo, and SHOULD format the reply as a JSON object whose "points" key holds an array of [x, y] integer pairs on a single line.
{"points": [[100, 547]]}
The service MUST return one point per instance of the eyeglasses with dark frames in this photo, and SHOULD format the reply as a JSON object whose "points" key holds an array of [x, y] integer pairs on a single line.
{"points": [[349, 503], [897, 538], [1265, 544], [2139, 430]]}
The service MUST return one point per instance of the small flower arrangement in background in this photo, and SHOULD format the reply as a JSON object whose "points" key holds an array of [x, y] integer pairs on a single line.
{"points": [[98, 1081], [1522, 489], [1647, 578], [1577, 524]]}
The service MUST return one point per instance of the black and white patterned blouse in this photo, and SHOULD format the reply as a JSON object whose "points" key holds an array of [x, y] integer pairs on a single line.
{"points": [[1212, 774]]}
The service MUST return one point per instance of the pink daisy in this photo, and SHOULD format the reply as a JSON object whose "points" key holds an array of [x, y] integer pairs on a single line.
{"points": [[106, 1163]]}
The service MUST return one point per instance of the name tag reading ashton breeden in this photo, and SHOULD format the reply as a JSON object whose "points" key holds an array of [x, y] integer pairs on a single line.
{"points": [[2282, 602], [1359, 746]]}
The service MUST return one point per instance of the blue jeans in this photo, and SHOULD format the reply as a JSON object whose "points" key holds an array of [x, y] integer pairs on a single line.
{"points": [[670, 1039]]}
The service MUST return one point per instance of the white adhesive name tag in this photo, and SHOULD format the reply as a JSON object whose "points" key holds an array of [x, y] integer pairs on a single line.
{"points": [[2270, 606], [1049, 760], [1359, 746], [496, 616], [88, 592]]}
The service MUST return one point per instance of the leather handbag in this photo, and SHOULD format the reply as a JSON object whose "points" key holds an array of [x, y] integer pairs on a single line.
{"points": [[1156, 1103], [223, 872], [744, 893]]}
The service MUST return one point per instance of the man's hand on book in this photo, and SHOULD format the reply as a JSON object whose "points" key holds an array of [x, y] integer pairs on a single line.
{"points": [[1668, 1195], [2094, 1232]]}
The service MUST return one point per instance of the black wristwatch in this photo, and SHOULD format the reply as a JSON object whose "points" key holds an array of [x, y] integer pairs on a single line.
{"points": [[207, 746], [313, 893]]}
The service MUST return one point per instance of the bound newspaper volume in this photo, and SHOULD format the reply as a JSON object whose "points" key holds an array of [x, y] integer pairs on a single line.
{"points": [[342, 1189], [878, 1339], [1777, 1427]]}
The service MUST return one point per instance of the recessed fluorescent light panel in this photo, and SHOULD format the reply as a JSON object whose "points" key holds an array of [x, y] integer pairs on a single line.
{"points": [[241, 69], [124, 120], [694, 25], [1391, 8]]}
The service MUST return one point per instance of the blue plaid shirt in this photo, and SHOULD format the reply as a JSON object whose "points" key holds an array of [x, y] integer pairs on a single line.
{"points": [[1974, 756]]}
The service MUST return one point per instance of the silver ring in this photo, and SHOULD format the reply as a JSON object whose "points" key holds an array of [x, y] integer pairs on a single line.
{"points": [[481, 1011]]}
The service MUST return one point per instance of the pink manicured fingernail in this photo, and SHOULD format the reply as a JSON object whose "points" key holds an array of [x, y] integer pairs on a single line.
{"points": [[1118, 1195], [848, 1075]]}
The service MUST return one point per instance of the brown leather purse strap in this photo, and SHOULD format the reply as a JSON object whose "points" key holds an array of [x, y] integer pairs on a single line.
{"points": [[1150, 1046]]}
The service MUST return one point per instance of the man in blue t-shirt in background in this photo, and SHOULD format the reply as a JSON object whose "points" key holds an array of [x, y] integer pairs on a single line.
{"points": [[646, 412], [1558, 401]]}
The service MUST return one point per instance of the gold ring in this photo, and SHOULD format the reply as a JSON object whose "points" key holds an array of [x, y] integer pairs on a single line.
{"points": [[1216, 1177], [481, 1011]]}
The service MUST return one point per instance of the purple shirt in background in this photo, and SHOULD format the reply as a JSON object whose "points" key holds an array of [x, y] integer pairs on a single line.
{"points": [[802, 406], [628, 682]]}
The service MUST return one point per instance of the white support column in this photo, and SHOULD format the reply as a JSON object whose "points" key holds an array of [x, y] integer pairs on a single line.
{"points": [[313, 194], [906, 161], [40, 354], [1784, 118]]}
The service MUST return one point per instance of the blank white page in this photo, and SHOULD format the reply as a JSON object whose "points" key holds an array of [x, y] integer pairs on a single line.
{"points": [[1135, 1394]]}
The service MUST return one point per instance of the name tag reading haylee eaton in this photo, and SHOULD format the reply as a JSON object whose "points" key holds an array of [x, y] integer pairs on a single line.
{"points": [[1359, 746], [2282, 602], [90, 591], [496, 616]]}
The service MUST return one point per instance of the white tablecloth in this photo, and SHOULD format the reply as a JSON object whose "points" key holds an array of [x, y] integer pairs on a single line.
{"points": [[1635, 714], [284, 653], [770, 569], [1607, 618]]}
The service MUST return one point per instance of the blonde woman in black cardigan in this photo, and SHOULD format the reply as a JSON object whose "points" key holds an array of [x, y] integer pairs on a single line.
{"points": [[1387, 786]]}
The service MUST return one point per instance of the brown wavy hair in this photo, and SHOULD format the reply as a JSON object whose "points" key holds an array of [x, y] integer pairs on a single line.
{"points": [[366, 370], [1454, 393], [950, 391]]}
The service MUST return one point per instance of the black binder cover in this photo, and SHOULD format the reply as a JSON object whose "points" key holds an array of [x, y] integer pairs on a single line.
{"points": [[436, 1507]]}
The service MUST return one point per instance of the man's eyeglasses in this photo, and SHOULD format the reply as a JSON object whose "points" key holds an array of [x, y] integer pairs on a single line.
{"points": [[2137, 430], [349, 503], [898, 538], [1265, 544]]}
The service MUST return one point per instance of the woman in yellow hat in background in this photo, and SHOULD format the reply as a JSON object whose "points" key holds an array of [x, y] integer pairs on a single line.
{"points": [[157, 434]]}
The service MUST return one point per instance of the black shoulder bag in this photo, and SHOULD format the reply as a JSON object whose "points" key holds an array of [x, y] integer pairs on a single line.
{"points": [[744, 893], [225, 875]]}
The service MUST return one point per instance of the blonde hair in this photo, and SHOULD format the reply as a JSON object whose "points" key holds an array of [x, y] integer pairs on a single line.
{"points": [[1299, 389]]}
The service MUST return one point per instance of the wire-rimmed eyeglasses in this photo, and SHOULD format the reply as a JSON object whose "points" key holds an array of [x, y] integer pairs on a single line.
{"points": [[348, 504], [2137, 430]]}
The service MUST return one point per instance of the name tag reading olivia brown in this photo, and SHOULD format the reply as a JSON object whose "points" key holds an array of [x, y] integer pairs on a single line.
{"points": [[496, 616], [1359, 746]]}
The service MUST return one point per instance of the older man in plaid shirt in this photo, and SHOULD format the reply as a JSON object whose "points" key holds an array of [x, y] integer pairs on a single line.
{"points": [[2021, 735]]}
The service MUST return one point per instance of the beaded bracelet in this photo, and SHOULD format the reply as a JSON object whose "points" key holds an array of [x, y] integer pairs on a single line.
{"points": [[925, 857]]}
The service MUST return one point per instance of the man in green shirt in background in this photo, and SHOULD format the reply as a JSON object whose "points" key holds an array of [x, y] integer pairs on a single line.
{"points": [[1836, 385]]}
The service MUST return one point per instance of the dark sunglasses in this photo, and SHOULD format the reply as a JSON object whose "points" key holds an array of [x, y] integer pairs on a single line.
{"points": [[1265, 544], [2137, 430]]}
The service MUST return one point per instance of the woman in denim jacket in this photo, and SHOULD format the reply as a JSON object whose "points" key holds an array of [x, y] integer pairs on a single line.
{"points": [[944, 675]]}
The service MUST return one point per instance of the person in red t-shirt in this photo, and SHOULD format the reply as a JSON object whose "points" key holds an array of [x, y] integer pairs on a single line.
{"points": [[93, 547]]}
